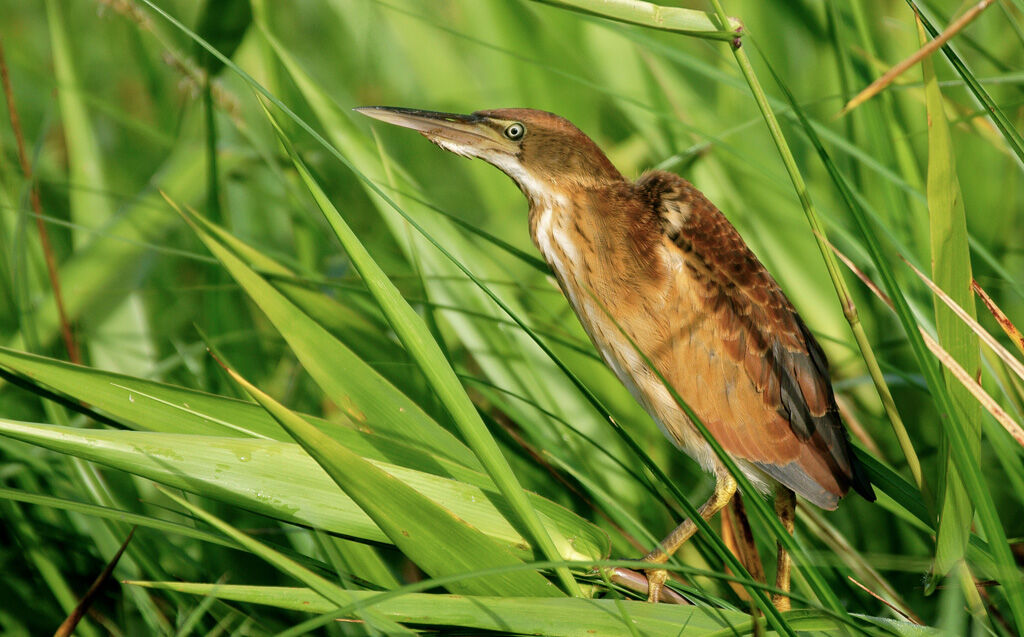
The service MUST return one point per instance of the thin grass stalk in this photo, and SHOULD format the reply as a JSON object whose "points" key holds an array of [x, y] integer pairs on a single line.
{"points": [[834, 272]]}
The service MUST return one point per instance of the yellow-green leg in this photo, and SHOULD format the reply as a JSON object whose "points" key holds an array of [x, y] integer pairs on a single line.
{"points": [[785, 509], [725, 488]]}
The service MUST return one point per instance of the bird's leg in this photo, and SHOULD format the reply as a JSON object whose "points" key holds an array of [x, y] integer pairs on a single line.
{"points": [[738, 536], [725, 488], [785, 508]]}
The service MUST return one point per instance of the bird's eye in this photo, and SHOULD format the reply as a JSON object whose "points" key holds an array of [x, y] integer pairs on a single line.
{"points": [[515, 131]]}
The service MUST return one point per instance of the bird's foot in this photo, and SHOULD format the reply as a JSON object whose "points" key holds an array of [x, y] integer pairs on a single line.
{"points": [[640, 583], [656, 578], [781, 602]]}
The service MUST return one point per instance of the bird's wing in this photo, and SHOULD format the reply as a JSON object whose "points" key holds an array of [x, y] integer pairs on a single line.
{"points": [[794, 434]]}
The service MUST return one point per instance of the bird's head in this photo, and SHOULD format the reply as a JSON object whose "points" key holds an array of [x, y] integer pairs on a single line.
{"points": [[543, 153]]}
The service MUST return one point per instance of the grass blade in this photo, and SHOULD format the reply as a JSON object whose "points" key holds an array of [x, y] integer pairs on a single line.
{"points": [[926, 50], [951, 271]]}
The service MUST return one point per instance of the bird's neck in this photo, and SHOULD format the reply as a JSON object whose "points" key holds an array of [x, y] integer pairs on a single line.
{"points": [[549, 213], [555, 233]]}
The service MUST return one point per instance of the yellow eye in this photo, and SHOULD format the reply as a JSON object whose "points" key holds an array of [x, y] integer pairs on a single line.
{"points": [[515, 131]]}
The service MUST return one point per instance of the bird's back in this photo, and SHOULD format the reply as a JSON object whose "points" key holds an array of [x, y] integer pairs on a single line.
{"points": [[658, 261]]}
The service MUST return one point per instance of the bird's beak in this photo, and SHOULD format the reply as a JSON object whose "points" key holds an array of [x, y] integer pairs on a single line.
{"points": [[468, 135]]}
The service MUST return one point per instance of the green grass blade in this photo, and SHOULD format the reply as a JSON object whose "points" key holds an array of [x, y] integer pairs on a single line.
{"points": [[279, 480], [365, 333], [951, 271], [1009, 131], [85, 159], [554, 617], [125, 517], [92, 209]]}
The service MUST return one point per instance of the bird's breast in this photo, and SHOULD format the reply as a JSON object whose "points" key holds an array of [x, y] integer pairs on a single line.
{"points": [[631, 301], [618, 295]]}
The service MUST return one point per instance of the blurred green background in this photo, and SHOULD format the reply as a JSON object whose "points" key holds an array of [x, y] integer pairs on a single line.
{"points": [[114, 108]]}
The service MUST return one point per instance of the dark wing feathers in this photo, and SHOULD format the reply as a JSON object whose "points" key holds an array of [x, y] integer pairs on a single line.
{"points": [[760, 330]]}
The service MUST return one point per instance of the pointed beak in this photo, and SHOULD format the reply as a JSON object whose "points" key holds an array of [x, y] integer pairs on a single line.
{"points": [[467, 135]]}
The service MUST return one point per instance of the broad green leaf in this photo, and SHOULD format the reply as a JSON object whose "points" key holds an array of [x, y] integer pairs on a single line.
{"points": [[153, 406], [328, 591], [529, 616], [279, 480], [564, 617], [951, 271], [352, 384], [432, 536]]}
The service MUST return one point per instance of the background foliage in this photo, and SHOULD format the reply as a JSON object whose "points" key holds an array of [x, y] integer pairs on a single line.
{"points": [[363, 287]]}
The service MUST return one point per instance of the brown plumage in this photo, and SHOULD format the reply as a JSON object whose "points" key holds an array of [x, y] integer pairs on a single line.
{"points": [[676, 277]]}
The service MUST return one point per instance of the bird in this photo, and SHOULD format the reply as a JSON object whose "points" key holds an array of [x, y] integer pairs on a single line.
{"points": [[669, 293]]}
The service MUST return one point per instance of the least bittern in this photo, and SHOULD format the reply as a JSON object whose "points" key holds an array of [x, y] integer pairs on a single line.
{"points": [[655, 261]]}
